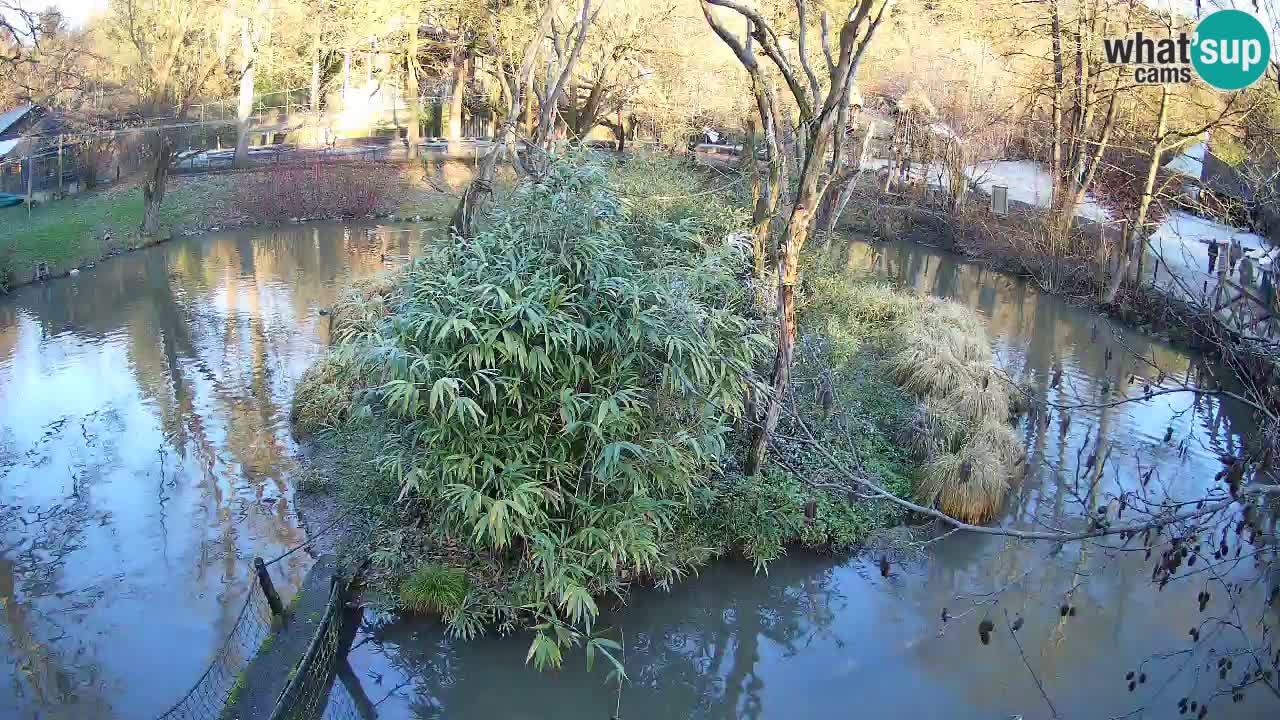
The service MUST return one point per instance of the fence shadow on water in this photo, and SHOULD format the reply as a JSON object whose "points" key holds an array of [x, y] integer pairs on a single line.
{"points": [[322, 685]]}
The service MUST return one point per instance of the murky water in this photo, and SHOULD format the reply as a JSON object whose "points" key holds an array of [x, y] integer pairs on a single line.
{"points": [[146, 457], [829, 637]]}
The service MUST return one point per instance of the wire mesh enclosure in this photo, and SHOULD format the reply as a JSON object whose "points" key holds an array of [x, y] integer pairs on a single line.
{"points": [[308, 692], [209, 695]]}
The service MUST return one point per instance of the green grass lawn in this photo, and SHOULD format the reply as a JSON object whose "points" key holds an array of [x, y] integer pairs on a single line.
{"points": [[82, 229], [73, 232]]}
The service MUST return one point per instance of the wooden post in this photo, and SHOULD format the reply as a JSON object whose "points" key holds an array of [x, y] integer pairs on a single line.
{"points": [[268, 589], [59, 165], [31, 176]]}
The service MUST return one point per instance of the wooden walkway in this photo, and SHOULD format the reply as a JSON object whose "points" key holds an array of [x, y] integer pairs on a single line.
{"points": [[1243, 310]]}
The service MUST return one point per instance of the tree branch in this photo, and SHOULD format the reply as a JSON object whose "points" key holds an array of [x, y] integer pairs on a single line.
{"points": [[769, 41], [552, 99], [802, 31]]}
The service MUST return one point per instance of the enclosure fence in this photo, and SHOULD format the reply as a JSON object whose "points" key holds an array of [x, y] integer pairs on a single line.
{"points": [[205, 137], [209, 695], [306, 695], [307, 691]]}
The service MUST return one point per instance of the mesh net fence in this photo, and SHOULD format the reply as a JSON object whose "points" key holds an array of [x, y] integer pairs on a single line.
{"points": [[307, 695], [209, 695]]}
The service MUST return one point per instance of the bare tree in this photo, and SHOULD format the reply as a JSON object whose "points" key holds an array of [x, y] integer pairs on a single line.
{"points": [[566, 45], [460, 64], [820, 113], [767, 191], [41, 58], [250, 39], [412, 88], [612, 68], [20, 40], [515, 81], [176, 45]]}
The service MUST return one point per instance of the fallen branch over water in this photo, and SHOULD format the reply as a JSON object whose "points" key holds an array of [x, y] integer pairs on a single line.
{"points": [[1059, 536]]}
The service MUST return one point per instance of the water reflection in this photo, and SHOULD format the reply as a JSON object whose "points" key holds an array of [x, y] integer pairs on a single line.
{"points": [[825, 637], [145, 456]]}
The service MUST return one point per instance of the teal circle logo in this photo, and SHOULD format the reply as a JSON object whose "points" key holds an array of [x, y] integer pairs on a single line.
{"points": [[1232, 49]]}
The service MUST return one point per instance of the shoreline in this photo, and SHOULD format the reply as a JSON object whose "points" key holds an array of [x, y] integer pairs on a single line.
{"points": [[198, 204], [1149, 311], [171, 236]]}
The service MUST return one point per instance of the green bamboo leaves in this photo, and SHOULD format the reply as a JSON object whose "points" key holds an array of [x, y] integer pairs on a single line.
{"points": [[553, 393]]}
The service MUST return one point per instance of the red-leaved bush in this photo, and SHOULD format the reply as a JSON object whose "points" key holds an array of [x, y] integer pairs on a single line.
{"points": [[319, 189]]}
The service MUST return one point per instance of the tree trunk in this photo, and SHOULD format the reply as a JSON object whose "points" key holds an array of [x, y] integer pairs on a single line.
{"points": [[244, 113], [838, 172], [480, 191], [765, 192], [315, 76], [1055, 153], [572, 112], [153, 184], [412, 91], [757, 190], [1135, 244], [818, 130], [788, 272], [813, 185], [457, 88], [547, 114], [481, 188], [766, 202], [812, 188], [529, 117], [846, 193], [1090, 161]]}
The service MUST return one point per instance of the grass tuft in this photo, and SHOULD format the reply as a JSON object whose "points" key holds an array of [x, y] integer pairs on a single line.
{"points": [[324, 396], [434, 589], [938, 352]]}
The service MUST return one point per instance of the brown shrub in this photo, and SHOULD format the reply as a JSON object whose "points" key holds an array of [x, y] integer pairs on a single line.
{"points": [[319, 189]]}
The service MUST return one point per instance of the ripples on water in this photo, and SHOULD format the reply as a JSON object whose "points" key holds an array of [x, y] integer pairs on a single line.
{"points": [[829, 637], [145, 457]]}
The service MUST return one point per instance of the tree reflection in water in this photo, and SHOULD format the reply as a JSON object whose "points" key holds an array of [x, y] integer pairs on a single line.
{"points": [[146, 456], [819, 637], [691, 653]]}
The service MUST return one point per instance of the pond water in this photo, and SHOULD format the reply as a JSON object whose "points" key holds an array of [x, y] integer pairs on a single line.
{"points": [[146, 457], [830, 637]]}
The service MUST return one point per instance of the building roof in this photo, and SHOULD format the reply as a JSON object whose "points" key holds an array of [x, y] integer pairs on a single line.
{"points": [[1190, 162], [1222, 178], [12, 116], [7, 145]]}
